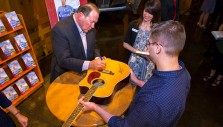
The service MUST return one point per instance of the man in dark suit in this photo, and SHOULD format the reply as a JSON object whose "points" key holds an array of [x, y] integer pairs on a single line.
{"points": [[73, 42]]}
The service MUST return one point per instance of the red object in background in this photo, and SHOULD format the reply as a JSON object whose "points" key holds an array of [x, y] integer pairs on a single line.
{"points": [[50, 5], [83, 1], [175, 9]]}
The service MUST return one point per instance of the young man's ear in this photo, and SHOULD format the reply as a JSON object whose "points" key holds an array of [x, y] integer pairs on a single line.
{"points": [[158, 49]]}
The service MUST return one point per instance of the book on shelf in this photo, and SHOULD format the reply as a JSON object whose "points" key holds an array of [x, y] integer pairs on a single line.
{"points": [[15, 67], [21, 41], [22, 85], [32, 78], [10, 93], [3, 76], [12, 19], [7, 48], [218, 35], [28, 60], [2, 27]]}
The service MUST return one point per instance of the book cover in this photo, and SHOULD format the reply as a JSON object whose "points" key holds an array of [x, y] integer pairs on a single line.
{"points": [[218, 35], [142, 53], [22, 85], [15, 67], [7, 48], [32, 78], [10, 93], [2, 27], [13, 19], [28, 60], [3, 76], [21, 41]]}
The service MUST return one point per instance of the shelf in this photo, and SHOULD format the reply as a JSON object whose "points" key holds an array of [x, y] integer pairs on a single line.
{"points": [[16, 78], [27, 93], [11, 31], [9, 35], [14, 55]]}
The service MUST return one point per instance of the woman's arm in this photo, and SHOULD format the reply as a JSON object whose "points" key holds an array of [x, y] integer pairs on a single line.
{"points": [[129, 47], [22, 119], [138, 82]]}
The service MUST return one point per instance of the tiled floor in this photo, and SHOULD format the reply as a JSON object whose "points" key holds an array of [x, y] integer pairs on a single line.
{"points": [[204, 106]]}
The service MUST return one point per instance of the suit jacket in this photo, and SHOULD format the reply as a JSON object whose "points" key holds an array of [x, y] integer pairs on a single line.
{"points": [[68, 49]]}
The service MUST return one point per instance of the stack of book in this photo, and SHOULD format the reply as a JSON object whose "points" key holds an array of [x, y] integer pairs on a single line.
{"points": [[7, 48], [15, 67], [13, 20], [21, 42], [28, 60], [2, 27], [3, 76], [22, 85], [32, 78], [10, 93]]}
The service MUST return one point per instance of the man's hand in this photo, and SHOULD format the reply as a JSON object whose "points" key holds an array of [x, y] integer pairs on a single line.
{"points": [[87, 105], [97, 64], [92, 106]]}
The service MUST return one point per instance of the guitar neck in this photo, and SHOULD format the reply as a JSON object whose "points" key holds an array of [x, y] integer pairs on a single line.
{"points": [[79, 107]]}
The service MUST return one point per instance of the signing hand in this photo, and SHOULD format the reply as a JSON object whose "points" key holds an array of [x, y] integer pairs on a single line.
{"points": [[97, 64]]}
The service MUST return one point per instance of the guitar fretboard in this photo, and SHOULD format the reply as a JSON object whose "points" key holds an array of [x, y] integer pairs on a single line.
{"points": [[79, 107]]}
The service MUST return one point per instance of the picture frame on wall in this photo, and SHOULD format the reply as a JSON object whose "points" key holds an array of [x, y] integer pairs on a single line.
{"points": [[60, 9]]}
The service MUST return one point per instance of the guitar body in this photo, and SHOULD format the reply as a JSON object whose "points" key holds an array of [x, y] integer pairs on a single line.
{"points": [[119, 72], [99, 84]]}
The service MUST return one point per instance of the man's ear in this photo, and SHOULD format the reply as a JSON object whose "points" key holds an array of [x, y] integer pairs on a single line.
{"points": [[81, 16], [158, 49]]}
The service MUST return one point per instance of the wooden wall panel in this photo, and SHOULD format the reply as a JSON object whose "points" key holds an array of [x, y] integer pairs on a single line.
{"points": [[35, 15], [4, 5]]}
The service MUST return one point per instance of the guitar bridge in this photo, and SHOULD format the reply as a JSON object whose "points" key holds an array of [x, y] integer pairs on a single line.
{"points": [[107, 72]]}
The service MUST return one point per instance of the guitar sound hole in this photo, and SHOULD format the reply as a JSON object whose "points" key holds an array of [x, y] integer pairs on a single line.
{"points": [[98, 82], [92, 76]]}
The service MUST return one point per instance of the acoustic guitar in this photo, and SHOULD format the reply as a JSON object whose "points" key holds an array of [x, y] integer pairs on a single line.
{"points": [[100, 85]]}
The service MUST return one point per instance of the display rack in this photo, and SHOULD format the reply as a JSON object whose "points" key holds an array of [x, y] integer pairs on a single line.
{"points": [[4, 62]]}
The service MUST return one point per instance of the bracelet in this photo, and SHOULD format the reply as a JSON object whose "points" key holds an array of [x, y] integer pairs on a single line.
{"points": [[17, 113]]}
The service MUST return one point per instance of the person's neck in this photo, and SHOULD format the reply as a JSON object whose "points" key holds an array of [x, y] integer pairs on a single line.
{"points": [[168, 64], [146, 25]]}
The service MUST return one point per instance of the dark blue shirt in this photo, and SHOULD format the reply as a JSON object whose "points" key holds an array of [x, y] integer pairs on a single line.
{"points": [[5, 120], [159, 103]]}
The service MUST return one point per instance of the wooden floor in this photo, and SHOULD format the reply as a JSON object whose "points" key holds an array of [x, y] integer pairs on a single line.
{"points": [[204, 104]]}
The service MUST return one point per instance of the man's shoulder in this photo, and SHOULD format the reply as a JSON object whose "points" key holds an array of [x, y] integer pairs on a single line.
{"points": [[66, 23]]}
